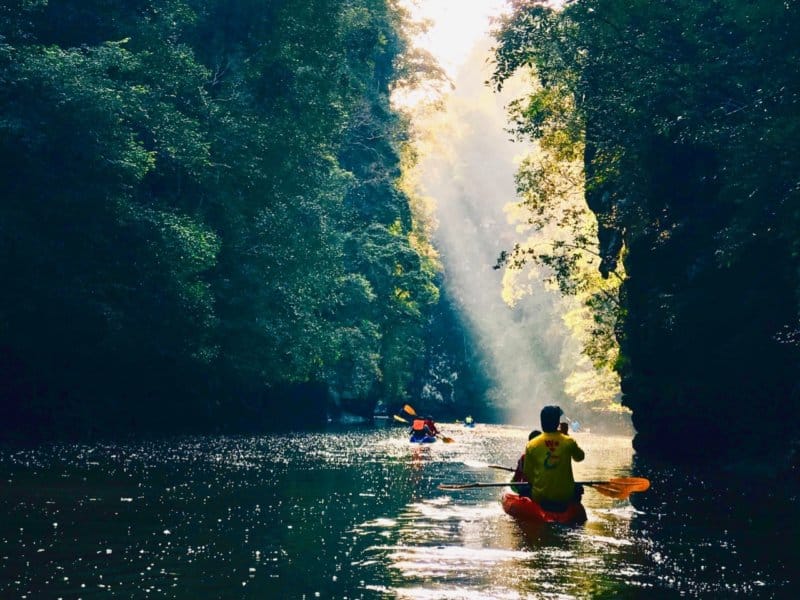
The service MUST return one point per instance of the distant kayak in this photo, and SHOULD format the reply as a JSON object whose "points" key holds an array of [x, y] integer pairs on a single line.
{"points": [[469, 424], [525, 509], [425, 439]]}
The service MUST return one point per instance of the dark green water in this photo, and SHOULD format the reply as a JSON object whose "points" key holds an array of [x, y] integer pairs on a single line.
{"points": [[357, 514]]}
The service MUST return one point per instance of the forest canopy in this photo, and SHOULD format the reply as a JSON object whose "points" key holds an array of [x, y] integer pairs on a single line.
{"points": [[684, 115], [201, 219]]}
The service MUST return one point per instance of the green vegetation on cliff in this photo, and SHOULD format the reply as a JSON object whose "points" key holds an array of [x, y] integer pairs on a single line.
{"points": [[685, 116]]}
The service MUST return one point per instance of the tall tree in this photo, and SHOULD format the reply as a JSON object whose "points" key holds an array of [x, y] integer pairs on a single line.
{"points": [[688, 149], [201, 213]]}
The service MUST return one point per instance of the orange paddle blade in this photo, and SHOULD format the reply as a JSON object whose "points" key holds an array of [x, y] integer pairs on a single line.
{"points": [[635, 484], [620, 487], [612, 491]]}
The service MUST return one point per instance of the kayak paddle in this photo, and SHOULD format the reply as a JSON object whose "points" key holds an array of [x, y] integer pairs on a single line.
{"points": [[617, 487], [400, 419], [632, 484]]}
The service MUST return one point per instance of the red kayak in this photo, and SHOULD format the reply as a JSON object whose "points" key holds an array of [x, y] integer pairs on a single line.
{"points": [[525, 509]]}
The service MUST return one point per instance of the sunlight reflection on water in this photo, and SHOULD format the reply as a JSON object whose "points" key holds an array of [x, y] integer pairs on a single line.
{"points": [[356, 513], [462, 545]]}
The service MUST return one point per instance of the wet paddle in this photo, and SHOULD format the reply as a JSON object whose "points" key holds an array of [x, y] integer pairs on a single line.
{"points": [[410, 410], [619, 488], [636, 484]]}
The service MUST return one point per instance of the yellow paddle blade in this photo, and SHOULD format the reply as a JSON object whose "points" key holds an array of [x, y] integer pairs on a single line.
{"points": [[409, 410], [400, 419]]}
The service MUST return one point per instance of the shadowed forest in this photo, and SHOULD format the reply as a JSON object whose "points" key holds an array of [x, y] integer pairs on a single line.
{"points": [[202, 225], [206, 222], [683, 119]]}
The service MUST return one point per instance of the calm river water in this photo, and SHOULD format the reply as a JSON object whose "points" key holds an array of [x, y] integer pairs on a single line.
{"points": [[356, 513]]}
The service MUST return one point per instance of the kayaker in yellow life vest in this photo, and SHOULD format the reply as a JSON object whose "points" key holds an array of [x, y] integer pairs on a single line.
{"points": [[548, 463]]}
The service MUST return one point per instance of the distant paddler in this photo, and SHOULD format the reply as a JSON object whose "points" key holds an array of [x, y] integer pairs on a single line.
{"points": [[423, 429]]}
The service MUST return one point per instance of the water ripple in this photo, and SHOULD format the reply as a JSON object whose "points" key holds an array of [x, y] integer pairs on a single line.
{"points": [[356, 513]]}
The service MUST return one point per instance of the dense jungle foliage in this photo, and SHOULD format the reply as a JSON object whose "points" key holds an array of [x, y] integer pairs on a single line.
{"points": [[684, 116], [201, 222]]}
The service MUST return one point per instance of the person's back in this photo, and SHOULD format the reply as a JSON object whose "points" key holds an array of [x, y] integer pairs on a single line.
{"points": [[548, 463], [420, 429], [431, 426]]}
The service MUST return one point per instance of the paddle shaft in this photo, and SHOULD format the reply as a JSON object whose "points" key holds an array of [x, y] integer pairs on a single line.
{"points": [[619, 481], [619, 488], [460, 486]]}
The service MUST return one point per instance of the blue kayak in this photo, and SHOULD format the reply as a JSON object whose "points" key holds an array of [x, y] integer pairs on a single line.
{"points": [[424, 439]]}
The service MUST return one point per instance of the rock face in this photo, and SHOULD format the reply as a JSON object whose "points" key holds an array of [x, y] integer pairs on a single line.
{"points": [[706, 366], [691, 167]]}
